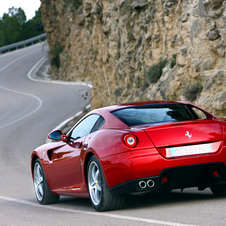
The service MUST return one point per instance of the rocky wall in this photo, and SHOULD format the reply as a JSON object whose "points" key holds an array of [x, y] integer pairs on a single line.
{"points": [[120, 45]]}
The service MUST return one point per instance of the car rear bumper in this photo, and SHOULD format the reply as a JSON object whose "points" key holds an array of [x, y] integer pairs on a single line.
{"points": [[198, 175]]}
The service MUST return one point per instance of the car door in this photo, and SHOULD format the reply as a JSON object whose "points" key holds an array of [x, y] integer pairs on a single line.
{"points": [[67, 159]]}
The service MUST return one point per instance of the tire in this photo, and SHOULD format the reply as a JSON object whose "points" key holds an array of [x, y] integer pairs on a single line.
{"points": [[218, 190], [42, 191], [100, 196]]}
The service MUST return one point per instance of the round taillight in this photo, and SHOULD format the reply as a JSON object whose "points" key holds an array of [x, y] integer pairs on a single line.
{"points": [[130, 140]]}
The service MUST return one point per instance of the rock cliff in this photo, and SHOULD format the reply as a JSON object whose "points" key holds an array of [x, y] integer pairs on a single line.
{"points": [[134, 50]]}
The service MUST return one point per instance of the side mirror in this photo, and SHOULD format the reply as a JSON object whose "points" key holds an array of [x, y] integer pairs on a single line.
{"points": [[57, 136]]}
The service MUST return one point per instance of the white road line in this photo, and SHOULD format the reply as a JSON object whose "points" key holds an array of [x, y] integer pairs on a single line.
{"points": [[59, 127], [39, 64], [139, 219], [69, 119], [36, 80], [21, 93], [25, 116], [7, 65]]}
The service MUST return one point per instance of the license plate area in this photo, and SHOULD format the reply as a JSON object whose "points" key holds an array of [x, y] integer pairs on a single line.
{"points": [[197, 149]]}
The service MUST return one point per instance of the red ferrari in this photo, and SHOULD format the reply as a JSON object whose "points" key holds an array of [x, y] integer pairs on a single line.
{"points": [[132, 148]]}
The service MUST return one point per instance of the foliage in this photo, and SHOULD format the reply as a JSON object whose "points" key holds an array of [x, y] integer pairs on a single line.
{"points": [[55, 55], [14, 27], [34, 26], [191, 90], [173, 60], [155, 71], [77, 3]]}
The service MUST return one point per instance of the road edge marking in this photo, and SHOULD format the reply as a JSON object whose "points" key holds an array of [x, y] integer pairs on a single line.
{"points": [[115, 216], [36, 67]]}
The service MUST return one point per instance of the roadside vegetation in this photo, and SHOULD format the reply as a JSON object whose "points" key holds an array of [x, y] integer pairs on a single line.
{"points": [[192, 90], [155, 71], [55, 55], [15, 28], [173, 60]]}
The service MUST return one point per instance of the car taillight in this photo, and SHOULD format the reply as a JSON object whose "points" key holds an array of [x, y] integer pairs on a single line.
{"points": [[130, 140]]}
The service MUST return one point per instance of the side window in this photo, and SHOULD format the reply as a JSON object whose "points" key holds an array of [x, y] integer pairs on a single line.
{"points": [[85, 126], [100, 122], [199, 113]]}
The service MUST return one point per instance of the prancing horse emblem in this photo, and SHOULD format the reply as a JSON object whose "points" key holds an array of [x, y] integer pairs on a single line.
{"points": [[187, 134]]}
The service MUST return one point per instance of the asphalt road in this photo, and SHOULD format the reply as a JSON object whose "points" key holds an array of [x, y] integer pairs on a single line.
{"points": [[29, 110]]}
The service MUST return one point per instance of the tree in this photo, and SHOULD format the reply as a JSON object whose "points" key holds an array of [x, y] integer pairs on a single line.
{"points": [[34, 26], [11, 26], [15, 28], [21, 17]]}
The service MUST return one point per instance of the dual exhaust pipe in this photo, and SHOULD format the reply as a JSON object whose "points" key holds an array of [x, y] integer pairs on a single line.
{"points": [[143, 184]]}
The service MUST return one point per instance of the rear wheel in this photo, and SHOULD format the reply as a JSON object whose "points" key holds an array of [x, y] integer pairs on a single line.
{"points": [[218, 190], [42, 191], [100, 196]]}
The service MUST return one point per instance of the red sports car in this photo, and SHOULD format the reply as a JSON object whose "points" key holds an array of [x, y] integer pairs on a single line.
{"points": [[132, 148]]}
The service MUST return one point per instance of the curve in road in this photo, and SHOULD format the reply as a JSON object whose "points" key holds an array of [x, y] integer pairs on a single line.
{"points": [[29, 110]]}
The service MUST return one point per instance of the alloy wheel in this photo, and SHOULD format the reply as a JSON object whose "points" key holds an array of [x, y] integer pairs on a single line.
{"points": [[94, 183]]}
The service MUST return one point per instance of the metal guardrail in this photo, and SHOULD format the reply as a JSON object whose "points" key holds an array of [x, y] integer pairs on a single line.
{"points": [[23, 43]]}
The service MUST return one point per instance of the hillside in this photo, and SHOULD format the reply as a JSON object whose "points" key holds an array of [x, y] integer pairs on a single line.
{"points": [[134, 50]]}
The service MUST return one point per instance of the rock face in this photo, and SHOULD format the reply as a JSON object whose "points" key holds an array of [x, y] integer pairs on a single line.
{"points": [[120, 45]]}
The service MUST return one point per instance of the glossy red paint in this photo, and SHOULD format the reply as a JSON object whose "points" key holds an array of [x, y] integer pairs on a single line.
{"points": [[65, 163], [148, 163], [184, 133]]}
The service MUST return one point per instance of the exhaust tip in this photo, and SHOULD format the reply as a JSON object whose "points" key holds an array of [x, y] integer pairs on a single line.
{"points": [[142, 184], [150, 183]]}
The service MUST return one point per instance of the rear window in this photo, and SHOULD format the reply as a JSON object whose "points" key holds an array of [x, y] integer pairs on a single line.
{"points": [[154, 114]]}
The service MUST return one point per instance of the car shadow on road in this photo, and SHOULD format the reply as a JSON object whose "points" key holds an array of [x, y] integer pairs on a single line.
{"points": [[155, 199], [75, 203], [158, 199]]}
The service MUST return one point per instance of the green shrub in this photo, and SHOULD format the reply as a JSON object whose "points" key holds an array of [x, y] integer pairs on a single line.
{"points": [[173, 60], [191, 91], [118, 91], [155, 71], [55, 55], [77, 3]]}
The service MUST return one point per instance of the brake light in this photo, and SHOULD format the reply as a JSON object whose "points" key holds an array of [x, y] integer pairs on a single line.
{"points": [[130, 140]]}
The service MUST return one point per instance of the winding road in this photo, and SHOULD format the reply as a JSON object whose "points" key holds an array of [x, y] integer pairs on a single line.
{"points": [[29, 110]]}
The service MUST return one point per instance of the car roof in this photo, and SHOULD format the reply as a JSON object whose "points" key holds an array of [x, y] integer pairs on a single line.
{"points": [[120, 106], [114, 122]]}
